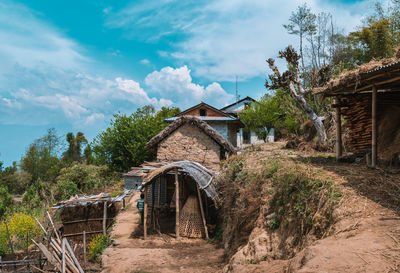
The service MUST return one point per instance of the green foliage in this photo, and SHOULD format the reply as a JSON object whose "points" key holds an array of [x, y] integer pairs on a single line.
{"points": [[74, 151], [123, 144], [97, 245], [66, 189], [5, 200], [304, 198], [116, 193], [22, 228], [35, 194], [277, 111], [81, 178], [41, 160], [274, 223]]}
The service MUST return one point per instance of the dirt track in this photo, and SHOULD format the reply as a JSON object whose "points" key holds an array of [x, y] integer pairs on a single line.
{"points": [[157, 253]]}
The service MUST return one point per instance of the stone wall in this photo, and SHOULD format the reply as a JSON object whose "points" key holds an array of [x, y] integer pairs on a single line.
{"points": [[189, 142]]}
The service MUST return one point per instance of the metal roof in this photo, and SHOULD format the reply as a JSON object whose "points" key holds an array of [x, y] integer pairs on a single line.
{"points": [[203, 176]]}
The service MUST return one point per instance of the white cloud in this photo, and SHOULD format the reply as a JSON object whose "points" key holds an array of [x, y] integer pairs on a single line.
{"points": [[93, 118], [27, 41], [11, 103], [224, 38], [145, 62], [176, 84]]}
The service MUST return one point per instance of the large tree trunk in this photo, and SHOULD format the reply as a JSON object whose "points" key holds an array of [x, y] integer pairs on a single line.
{"points": [[315, 119]]}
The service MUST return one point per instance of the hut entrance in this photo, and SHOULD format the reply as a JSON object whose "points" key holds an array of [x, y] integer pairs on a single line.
{"points": [[178, 199]]}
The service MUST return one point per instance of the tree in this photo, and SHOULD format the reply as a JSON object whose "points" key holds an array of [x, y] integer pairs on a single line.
{"points": [[291, 80], [302, 23], [123, 144], [75, 144], [41, 159]]}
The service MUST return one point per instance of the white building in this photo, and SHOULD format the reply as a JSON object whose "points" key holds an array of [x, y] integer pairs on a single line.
{"points": [[245, 137]]}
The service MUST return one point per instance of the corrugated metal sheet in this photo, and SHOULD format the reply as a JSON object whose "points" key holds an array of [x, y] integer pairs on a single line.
{"points": [[200, 174]]}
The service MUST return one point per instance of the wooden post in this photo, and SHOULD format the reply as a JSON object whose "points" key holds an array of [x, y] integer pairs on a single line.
{"points": [[339, 152], [145, 213], [374, 133], [177, 214], [159, 191], [63, 256], [153, 190], [202, 211], [84, 250], [105, 218], [1, 266]]}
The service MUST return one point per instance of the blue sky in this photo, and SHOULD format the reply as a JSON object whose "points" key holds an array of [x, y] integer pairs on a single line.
{"points": [[72, 64]]}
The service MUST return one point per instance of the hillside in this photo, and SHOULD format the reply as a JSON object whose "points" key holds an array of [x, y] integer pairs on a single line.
{"points": [[290, 211]]}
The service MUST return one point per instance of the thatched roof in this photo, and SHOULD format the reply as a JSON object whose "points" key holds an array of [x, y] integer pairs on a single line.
{"points": [[384, 74], [207, 129], [199, 173]]}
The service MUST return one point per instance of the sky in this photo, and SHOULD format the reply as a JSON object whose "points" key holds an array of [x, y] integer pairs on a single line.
{"points": [[72, 65]]}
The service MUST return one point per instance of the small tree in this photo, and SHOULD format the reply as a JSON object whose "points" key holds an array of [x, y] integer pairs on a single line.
{"points": [[291, 80]]}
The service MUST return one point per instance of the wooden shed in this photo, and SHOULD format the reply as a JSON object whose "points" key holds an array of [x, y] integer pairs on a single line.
{"points": [[183, 192], [369, 100]]}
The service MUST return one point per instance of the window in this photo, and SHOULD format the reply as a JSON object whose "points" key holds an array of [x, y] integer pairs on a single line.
{"points": [[246, 105], [203, 112]]}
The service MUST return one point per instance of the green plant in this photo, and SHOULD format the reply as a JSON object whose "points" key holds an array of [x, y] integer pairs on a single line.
{"points": [[5, 200], [97, 245], [22, 228], [116, 193], [274, 223], [65, 189]]}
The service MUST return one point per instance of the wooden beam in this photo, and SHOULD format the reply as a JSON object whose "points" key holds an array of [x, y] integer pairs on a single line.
{"points": [[177, 206], [374, 133], [153, 186], [145, 213], [159, 191], [105, 218], [339, 151], [202, 211]]}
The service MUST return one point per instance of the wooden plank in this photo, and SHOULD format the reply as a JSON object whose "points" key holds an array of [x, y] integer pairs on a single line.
{"points": [[177, 205], [145, 213], [63, 256], [338, 132], [84, 250], [73, 256], [50, 258], [202, 211], [159, 191], [374, 133], [105, 219]]}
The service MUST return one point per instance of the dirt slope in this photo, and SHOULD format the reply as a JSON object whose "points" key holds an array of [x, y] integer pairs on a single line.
{"points": [[158, 253], [365, 236]]}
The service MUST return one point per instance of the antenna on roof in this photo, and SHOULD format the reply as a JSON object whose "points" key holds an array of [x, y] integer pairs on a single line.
{"points": [[236, 91]]}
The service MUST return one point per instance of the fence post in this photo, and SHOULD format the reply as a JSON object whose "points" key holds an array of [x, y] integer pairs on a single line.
{"points": [[84, 250]]}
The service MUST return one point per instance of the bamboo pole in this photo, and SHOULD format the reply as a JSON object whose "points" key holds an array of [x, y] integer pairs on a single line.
{"points": [[63, 255], [73, 256], [374, 133], [145, 213], [202, 211], [84, 250], [54, 228], [339, 152], [177, 204], [153, 189], [105, 219]]}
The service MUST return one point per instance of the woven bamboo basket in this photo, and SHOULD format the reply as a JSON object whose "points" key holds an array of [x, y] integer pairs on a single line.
{"points": [[191, 224]]}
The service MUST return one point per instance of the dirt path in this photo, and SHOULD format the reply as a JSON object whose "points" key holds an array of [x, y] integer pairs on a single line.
{"points": [[158, 253]]}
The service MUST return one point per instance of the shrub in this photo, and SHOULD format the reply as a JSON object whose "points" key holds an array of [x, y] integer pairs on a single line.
{"points": [[22, 228], [97, 245], [66, 189], [5, 200]]}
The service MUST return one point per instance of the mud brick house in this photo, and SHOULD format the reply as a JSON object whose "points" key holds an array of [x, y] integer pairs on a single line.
{"points": [[190, 138], [224, 123], [369, 100]]}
